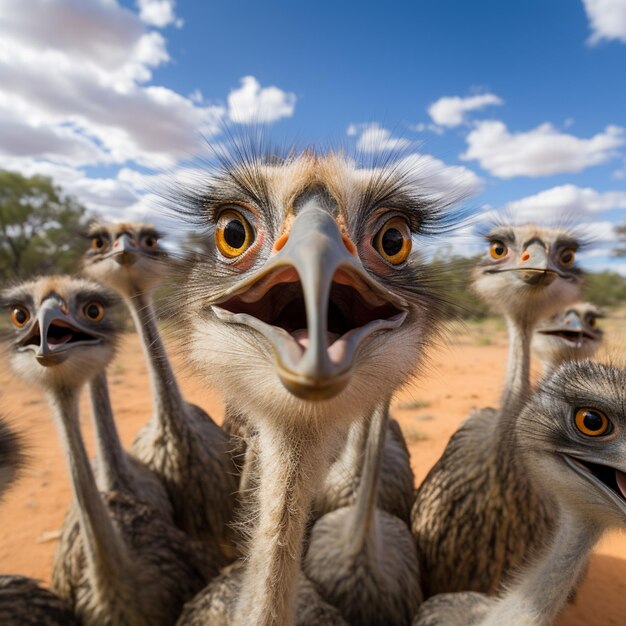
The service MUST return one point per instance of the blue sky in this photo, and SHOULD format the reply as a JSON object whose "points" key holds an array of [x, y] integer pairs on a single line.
{"points": [[522, 103]]}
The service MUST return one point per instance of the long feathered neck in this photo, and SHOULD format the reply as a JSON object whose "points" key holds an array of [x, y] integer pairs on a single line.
{"points": [[105, 551], [367, 494], [543, 588], [169, 405], [517, 383], [291, 465], [112, 467]]}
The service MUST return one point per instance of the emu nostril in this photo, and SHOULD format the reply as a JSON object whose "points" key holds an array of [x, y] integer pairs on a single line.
{"points": [[350, 247], [279, 244], [525, 256]]}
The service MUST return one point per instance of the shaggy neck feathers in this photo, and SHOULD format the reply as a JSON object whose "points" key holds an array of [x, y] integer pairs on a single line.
{"points": [[105, 551], [112, 469], [169, 404]]}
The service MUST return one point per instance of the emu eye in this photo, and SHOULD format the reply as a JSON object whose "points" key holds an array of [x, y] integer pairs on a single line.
{"points": [[97, 243], [94, 311], [592, 322], [233, 234], [592, 422], [567, 257], [150, 242], [497, 250], [393, 241], [20, 316]]}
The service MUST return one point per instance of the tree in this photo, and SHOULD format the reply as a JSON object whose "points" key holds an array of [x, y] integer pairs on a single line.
{"points": [[39, 227]]}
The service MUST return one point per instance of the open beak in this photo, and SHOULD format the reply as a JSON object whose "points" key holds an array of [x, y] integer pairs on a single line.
{"points": [[55, 333], [570, 328], [315, 304], [124, 251], [610, 480]]}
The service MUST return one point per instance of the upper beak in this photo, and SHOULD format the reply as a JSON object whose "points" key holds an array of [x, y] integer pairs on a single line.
{"points": [[124, 251], [570, 322], [315, 265], [51, 347]]}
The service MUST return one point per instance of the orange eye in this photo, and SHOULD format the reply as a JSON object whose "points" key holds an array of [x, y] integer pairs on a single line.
{"points": [[98, 243], [498, 250], [567, 257], [20, 316], [233, 234], [592, 322], [94, 311], [592, 422], [393, 241]]}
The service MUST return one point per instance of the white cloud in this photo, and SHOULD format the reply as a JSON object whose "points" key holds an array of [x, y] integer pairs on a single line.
{"points": [[159, 13], [452, 111], [607, 19], [252, 104], [72, 72], [567, 200], [543, 151], [435, 177], [375, 138], [422, 128]]}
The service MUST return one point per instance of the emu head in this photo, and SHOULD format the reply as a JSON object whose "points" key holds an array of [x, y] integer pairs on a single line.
{"points": [[310, 299], [63, 332]]}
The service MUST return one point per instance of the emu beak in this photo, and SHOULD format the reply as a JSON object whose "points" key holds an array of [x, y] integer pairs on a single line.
{"points": [[315, 303], [609, 477], [538, 269], [55, 333], [124, 251], [569, 327], [570, 322]]}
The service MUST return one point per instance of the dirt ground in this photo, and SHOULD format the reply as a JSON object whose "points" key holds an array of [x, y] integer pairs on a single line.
{"points": [[464, 373]]}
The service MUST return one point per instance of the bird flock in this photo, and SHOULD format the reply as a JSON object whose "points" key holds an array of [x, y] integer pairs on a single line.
{"points": [[308, 307]]}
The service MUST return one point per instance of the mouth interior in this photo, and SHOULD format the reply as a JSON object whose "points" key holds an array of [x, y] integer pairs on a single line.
{"points": [[609, 476], [573, 336], [58, 334], [283, 306]]}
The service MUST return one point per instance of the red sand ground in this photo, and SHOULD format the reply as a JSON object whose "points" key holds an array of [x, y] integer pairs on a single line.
{"points": [[465, 374]]}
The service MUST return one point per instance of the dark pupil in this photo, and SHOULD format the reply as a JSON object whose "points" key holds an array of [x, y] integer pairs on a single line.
{"points": [[235, 234], [499, 250], [567, 257], [149, 242], [592, 421], [392, 241], [93, 311], [20, 316], [99, 243]]}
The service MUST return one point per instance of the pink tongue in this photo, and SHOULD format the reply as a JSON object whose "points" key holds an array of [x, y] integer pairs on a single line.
{"points": [[302, 338], [621, 481], [56, 341]]}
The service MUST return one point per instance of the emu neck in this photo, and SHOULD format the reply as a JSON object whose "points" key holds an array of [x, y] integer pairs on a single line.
{"points": [[169, 405], [104, 549], [543, 589], [290, 472], [517, 384], [367, 494], [112, 469]]}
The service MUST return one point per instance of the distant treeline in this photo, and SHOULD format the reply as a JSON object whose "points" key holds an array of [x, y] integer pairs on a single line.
{"points": [[40, 230]]}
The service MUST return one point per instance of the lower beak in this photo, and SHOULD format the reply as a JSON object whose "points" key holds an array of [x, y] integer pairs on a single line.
{"points": [[538, 277], [316, 305]]}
